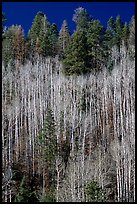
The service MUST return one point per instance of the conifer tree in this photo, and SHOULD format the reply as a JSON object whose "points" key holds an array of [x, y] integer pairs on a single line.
{"points": [[8, 52], [118, 31], [48, 40], [53, 38], [19, 44], [76, 55], [94, 40], [109, 34], [81, 18], [94, 192], [23, 193], [38, 29], [64, 38], [47, 142], [132, 31], [125, 34], [132, 37]]}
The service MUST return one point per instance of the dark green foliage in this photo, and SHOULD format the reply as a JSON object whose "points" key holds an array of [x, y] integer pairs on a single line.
{"points": [[13, 46], [85, 100], [118, 31], [19, 45], [94, 192], [95, 32], [81, 18], [88, 49], [39, 28], [85, 52], [48, 37], [110, 65], [47, 142], [125, 34], [36, 27], [63, 39], [132, 31], [94, 40], [24, 193], [53, 38], [48, 197], [76, 55], [8, 52], [47, 139], [114, 32], [45, 45], [109, 34]]}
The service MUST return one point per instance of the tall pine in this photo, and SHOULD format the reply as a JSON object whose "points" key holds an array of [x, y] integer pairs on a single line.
{"points": [[118, 31], [95, 36], [64, 38], [75, 58], [81, 17], [38, 30]]}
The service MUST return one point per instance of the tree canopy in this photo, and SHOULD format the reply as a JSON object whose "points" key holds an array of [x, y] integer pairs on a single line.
{"points": [[87, 49]]}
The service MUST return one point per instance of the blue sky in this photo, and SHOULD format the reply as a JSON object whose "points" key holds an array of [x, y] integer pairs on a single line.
{"points": [[23, 13]]}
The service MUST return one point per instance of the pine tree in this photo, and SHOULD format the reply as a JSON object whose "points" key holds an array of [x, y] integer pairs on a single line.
{"points": [[132, 38], [8, 52], [48, 40], [64, 38], [132, 31], [94, 192], [19, 44], [125, 34], [118, 31], [53, 38], [109, 34], [76, 55], [38, 29], [23, 193], [94, 40], [81, 18], [46, 141]]}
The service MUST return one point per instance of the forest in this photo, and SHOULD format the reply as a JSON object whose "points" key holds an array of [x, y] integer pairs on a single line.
{"points": [[68, 111]]}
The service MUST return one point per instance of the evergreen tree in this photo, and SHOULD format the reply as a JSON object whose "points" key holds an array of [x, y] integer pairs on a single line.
{"points": [[64, 38], [45, 45], [94, 40], [53, 38], [8, 52], [47, 142], [118, 31], [132, 38], [110, 32], [81, 18], [24, 193], [76, 55], [94, 192], [38, 29], [48, 41], [132, 31], [19, 44], [125, 34], [13, 45]]}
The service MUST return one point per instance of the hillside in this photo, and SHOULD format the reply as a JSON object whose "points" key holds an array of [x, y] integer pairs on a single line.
{"points": [[68, 117], [63, 133]]}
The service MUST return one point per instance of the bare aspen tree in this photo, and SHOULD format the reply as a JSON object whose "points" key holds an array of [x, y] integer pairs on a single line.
{"points": [[94, 119]]}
